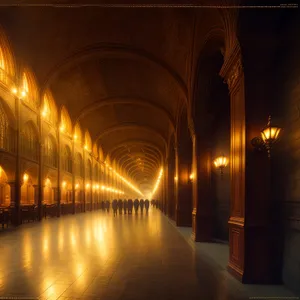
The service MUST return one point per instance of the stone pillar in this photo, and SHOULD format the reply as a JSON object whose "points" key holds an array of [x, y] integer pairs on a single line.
{"points": [[202, 215]]}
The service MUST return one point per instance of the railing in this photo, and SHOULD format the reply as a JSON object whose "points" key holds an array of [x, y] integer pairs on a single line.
{"points": [[29, 213], [66, 208]]}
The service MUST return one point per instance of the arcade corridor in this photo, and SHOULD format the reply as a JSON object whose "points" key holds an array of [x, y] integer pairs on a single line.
{"points": [[195, 108]]}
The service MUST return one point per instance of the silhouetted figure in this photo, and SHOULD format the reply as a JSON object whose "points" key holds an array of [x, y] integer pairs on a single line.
{"points": [[125, 206], [115, 206], [102, 205], [142, 204], [120, 206], [130, 206], [147, 205], [136, 205], [107, 205]]}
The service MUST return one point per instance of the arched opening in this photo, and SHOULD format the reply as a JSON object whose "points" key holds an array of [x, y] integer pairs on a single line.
{"points": [[67, 160], [184, 175], [66, 197], [48, 192], [211, 113], [27, 191], [5, 193], [78, 165]]}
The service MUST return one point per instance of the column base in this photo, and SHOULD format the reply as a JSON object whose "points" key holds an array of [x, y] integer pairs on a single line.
{"points": [[202, 227]]}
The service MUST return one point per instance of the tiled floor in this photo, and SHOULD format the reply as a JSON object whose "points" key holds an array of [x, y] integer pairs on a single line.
{"points": [[98, 256]]}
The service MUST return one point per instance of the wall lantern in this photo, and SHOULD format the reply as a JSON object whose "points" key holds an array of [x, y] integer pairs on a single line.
{"points": [[76, 186], [269, 135], [175, 178], [221, 162], [64, 184]]}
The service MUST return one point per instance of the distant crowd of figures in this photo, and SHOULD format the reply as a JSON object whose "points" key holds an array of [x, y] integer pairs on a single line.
{"points": [[127, 206]]}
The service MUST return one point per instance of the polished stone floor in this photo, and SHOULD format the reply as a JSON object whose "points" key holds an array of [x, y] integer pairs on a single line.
{"points": [[98, 256]]}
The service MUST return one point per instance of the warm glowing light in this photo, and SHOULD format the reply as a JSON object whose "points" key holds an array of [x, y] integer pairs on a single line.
{"points": [[221, 162], [23, 93], [87, 185], [76, 186], [64, 184], [14, 90], [25, 177], [44, 112], [86, 147], [48, 182], [75, 137], [62, 127], [97, 186], [103, 187], [157, 182], [192, 176], [175, 178], [270, 133]]}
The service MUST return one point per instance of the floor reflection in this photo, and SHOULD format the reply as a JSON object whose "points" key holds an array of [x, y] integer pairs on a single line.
{"points": [[96, 254]]}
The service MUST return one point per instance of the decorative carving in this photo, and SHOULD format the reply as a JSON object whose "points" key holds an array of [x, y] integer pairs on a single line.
{"points": [[234, 73]]}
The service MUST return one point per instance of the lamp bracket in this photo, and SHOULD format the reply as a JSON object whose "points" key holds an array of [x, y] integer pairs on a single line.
{"points": [[258, 143]]}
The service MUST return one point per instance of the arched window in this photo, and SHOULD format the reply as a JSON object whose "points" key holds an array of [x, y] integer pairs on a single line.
{"points": [[50, 152], [29, 92], [6, 61], [29, 142], [67, 160], [3, 129], [79, 165], [49, 110]]}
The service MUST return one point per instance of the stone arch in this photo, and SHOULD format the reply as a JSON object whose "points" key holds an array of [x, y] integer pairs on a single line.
{"points": [[65, 121], [104, 50], [29, 89], [50, 151], [30, 141], [49, 108]]}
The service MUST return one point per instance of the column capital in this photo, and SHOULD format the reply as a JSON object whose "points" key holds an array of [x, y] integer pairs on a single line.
{"points": [[232, 68]]}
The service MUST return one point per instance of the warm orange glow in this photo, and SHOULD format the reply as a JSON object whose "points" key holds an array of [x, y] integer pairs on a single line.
{"points": [[157, 182], [14, 91], [75, 137], [270, 134], [23, 93], [175, 178], [76, 186], [87, 185], [192, 176], [64, 184], [221, 162], [62, 127], [25, 177]]}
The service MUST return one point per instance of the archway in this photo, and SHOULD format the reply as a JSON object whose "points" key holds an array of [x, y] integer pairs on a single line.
{"points": [[48, 192], [5, 195], [27, 191]]}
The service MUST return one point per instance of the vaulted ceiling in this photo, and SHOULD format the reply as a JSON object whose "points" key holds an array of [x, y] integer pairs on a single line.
{"points": [[122, 72]]}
